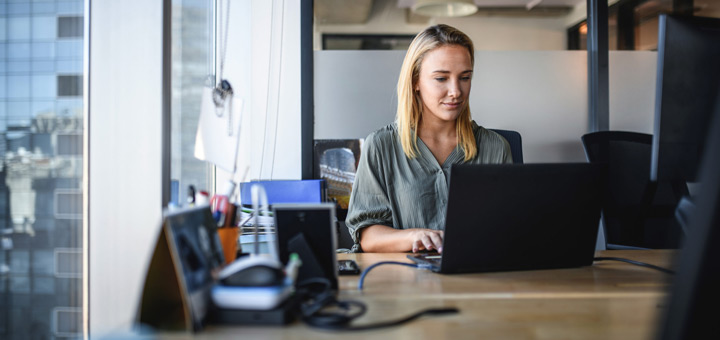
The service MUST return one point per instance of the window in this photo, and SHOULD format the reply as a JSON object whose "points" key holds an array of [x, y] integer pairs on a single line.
{"points": [[43, 27], [68, 203], [67, 262], [68, 145], [41, 130], [67, 322], [70, 27], [69, 86], [192, 39]]}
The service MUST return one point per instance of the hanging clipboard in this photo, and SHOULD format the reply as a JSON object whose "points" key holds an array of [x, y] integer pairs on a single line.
{"points": [[218, 130]]}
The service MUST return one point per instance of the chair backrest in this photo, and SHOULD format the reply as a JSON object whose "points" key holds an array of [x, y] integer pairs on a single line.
{"points": [[515, 141], [636, 211]]}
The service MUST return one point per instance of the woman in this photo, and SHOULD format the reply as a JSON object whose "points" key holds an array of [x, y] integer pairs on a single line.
{"points": [[399, 197]]}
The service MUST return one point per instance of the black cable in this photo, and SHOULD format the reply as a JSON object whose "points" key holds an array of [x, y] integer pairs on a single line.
{"points": [[637, 263], [318, 295], [392, 323], [347, 311], [368, 269], [319, 298]]}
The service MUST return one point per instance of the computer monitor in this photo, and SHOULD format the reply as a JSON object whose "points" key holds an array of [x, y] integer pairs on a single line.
{"points": [[687, 82], [689, 313]]}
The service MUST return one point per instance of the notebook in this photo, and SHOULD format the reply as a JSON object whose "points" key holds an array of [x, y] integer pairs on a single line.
{"points": [[519, 217]]}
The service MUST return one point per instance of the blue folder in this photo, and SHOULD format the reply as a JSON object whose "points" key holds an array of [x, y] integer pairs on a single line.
{"points": [[287, 191]]}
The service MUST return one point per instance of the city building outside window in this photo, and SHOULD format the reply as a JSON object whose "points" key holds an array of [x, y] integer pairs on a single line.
{"points": [[41, 129]]}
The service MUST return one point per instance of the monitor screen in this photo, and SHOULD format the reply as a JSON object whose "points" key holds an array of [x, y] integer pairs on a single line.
{"points": [[689, 311], [196, 246], [308, 230], [687, 83], [177, 287]]}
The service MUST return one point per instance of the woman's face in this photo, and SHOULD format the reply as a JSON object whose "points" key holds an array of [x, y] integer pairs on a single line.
{"points": [[444, 82]]}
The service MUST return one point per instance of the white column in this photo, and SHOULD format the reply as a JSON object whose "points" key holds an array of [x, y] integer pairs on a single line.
{"points": [[125, 156]]}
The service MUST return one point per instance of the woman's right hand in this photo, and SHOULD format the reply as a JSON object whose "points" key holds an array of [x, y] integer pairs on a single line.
{"points": [[426, 239], [383, 239]]}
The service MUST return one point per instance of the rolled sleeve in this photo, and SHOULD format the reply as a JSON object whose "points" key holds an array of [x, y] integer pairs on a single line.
{"points": [[369, 202], [507, 159]]}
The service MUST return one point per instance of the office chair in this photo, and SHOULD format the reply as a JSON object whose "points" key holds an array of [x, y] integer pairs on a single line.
{"points": [[345, 240], [515, 141], [637, 213], [335, 161], [685, 208]]}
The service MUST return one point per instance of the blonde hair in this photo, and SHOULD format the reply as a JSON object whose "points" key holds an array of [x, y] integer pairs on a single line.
{"points": [[409, 110]]}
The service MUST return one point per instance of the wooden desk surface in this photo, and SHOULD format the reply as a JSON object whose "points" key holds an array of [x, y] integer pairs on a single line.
{"points": [[609, 300]]}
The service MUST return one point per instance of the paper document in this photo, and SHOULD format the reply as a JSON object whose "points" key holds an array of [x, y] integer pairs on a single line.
{"points": [[218, 131]]}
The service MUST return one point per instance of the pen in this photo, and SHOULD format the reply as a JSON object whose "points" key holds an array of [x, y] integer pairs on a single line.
{"points": [[220, 203], [191, 195], [219, 206]]}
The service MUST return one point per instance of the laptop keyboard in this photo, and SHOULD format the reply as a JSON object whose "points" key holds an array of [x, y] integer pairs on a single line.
{"points": [[431, 259]]}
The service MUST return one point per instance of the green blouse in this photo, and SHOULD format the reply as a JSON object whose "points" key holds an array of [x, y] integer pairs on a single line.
{"points": [[393, 190]]}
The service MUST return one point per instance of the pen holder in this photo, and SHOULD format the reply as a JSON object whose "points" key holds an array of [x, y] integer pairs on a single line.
{"points": [[229, 241]]}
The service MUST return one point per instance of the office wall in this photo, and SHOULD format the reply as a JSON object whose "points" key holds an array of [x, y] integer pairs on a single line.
{"points": [[498, 33], [541, 94]]}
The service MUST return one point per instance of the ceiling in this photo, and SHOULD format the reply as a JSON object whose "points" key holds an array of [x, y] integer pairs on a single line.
{"points": [[359, 11]]}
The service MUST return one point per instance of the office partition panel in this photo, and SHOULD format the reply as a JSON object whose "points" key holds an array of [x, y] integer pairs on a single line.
{"points": [[541, 94]]}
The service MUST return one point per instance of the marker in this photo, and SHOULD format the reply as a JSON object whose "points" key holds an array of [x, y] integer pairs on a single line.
{"points": [[291, 269]]}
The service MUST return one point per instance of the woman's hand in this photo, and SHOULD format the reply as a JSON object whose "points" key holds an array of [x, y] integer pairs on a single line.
{"points": [[384, 239], [426, 239]]}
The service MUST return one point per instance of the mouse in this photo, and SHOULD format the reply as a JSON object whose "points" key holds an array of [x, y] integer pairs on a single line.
{"points": [[253, 271]]}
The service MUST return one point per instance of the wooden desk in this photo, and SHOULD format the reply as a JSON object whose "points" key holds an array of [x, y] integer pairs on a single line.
{"points": [[609, 300]]}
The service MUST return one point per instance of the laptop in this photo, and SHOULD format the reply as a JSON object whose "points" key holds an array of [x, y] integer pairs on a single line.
{"points": [[519, 217]]}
